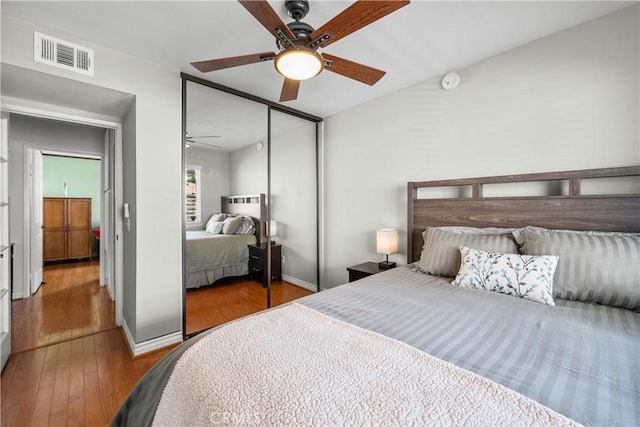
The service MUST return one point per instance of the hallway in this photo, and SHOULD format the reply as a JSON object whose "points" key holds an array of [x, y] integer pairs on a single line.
{"points": [[70, 305]]}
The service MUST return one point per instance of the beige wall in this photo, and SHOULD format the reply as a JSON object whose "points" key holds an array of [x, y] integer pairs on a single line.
{"points": [[567, 101]]}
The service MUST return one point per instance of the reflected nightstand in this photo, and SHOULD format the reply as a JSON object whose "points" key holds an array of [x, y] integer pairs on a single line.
{"points": [[258, 263]]}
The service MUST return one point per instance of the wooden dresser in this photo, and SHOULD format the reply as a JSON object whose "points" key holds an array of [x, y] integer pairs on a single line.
{"points": [[67, 228]]}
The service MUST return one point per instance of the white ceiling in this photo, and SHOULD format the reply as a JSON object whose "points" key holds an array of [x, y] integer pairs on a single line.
{"points": [[423, 40]]}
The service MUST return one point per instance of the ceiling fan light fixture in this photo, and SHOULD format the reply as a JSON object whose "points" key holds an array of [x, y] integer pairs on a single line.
{"points": [[299, 64]]}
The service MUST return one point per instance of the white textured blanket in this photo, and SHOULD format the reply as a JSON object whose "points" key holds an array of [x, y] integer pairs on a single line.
{"points": [[296, 366]]}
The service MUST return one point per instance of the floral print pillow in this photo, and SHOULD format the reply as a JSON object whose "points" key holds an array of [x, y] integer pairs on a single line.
{"points": [[523, 276]]}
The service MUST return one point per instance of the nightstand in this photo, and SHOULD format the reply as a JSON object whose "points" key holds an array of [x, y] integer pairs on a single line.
{"points": [[258, 263], [360, 271]]}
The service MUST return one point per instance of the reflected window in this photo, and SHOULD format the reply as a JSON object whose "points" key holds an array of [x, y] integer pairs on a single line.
{"points": [[193, 211]]}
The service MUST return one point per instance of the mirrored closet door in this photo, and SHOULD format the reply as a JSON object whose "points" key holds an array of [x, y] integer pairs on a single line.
{"points": [[225, 161], [250, 205], [293, 202]]}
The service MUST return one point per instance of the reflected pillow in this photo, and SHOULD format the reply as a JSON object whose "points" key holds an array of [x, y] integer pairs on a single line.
{"points": [[594, 266], [523, 276], [217, 217], [214, 227], [231, 225], [441, 251], [247, 226]]}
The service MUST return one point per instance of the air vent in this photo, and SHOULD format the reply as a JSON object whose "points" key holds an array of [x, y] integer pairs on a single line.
{"points": [[62, 54]]}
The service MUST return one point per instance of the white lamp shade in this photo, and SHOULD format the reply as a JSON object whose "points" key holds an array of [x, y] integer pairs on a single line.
{"points": [[387, 241], [298, 64], [273, 228]]}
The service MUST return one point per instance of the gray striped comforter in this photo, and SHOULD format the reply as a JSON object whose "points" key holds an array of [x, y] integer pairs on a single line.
{"points": [[582, 360], [206, 250]]}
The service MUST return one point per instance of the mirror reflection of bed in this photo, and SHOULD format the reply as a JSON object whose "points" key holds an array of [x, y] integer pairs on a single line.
{"points": [[224, 279], [240, 159]]}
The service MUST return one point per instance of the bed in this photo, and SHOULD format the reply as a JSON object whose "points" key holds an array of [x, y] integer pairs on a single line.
{"points": [[358, 353], [211, 257]]}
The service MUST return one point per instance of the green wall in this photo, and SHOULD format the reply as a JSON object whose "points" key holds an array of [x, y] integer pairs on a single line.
{"points": [[82, 176]]}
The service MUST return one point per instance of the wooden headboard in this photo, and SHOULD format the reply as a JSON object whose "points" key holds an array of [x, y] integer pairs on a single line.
{"points": [[573, 210], [251, 205]]}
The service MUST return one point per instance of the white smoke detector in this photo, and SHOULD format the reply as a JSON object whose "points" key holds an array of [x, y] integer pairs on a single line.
{"points": [[450, 81]]}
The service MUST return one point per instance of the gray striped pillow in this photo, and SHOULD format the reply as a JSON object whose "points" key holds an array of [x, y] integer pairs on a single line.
{"points": [[594, 266], [441, 251]]}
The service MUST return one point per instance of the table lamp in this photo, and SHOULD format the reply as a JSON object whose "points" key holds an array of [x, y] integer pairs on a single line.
{"points": [[272, 231], [387, 243]]}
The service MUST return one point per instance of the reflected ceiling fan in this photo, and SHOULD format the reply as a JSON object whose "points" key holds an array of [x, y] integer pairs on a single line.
{"points": [[192, 140], [298, 42]]}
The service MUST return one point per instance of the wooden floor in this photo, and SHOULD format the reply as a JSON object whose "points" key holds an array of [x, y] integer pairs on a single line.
{"points": [[80, 370], [214, 305], [81, 382], [71, 305]]}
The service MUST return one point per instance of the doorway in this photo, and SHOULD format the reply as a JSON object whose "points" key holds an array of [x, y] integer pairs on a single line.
{"points": [[65, 196], [32, 134]]}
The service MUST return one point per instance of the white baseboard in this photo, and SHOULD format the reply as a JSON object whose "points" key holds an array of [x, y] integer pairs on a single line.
{"points": [[309, 286], [17, 295], [150, 345]]}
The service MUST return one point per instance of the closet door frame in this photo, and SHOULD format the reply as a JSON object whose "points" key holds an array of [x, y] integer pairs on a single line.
{"points": [[271, 106]]}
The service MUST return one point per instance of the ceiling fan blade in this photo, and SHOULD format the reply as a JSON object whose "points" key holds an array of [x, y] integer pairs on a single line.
{"points": [[205, 144], [353, 70], [289, 90], [233, 61], [355, 17], [264, 13]]}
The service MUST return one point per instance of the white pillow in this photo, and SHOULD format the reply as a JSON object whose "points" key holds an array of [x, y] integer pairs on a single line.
{"points": [[214, 227], [216, 217], [523, 276]]}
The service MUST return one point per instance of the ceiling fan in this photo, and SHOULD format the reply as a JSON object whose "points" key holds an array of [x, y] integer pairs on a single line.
{"points": [[192, 140], [298, 42]]}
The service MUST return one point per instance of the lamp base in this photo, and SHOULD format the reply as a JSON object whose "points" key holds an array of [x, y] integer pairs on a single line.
{"points": [[386, 265]]}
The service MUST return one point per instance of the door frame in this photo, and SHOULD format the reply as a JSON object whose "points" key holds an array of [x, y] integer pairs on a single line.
{"points": [[31, 171], [104, 216], [5, 307], [115, 125]]}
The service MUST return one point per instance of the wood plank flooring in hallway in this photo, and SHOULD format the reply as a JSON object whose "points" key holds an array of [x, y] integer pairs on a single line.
{"points": [[71, 304]]}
